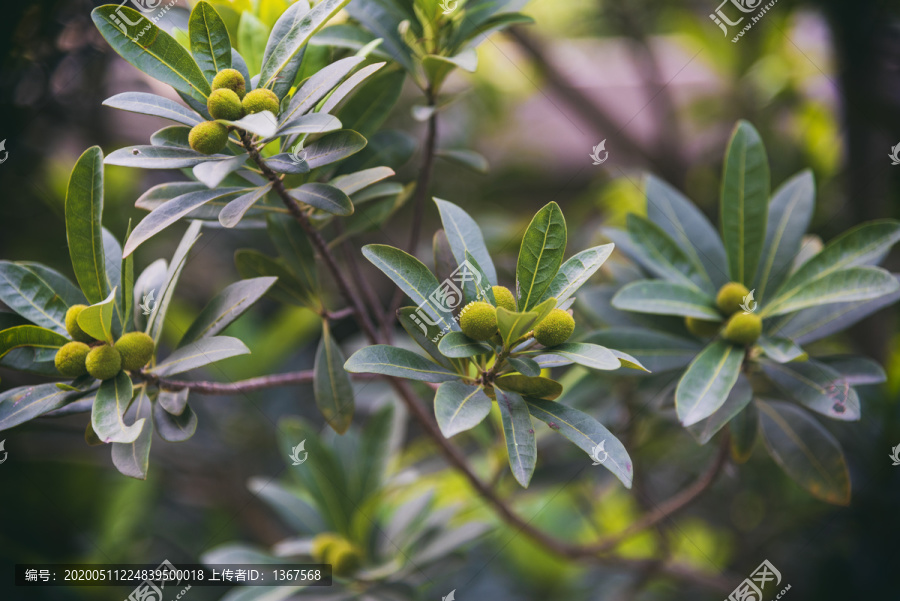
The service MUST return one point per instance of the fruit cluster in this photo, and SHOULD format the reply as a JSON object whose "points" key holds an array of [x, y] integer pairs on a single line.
{"points": [[344, 557], [741, 328], [85, 355], [229, 101], [478, 320]]}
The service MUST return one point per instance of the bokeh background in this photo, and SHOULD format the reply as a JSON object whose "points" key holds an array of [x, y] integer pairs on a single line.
{"points": [[661, 84]]}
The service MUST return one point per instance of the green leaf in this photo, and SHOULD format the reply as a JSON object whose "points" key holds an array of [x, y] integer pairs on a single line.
{"points": [[84, 209], [464, 236], [659, 254], [235, 210], [226, 307], [513, 325], [22, 404], [151, 280], [576, 271], [525, 366], [312, 123], [707, 382], [658, 351], [589, 355], [294, 15], [199, 353], [688, 227], [112, 253], [297, 514], [816, 386], [855, 370], [414, 279], [174, 428], [288, 289], [665, 298], [780, 350], [850, 284], [30, 336], [159, 157], [156, 106], [96, 320], [354, 182], [280, 56], [458, 345], [347, 87], [586, 433], [804, 449], [537, 387], [738, 399], [151, 50], [790, 212], [213, 173], [744, 429], [251, 37], [424, 334], [392, 361], [157, 317], [133, 458], [459, 407], [294, 247], [334, 147], [325, 197], [108, 415], [369, 108], [465, 158], [518, 430], [540, 255], [32, 297], [173, 401], [210, 43], [331, 384], [744, 202], [318, 86]]}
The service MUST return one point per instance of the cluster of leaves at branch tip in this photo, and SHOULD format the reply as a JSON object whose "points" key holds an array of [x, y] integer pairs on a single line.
{"points": [[102, 361], [345, 557]]}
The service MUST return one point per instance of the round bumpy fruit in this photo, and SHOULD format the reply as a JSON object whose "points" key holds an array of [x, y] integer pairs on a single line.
{"points": [[136, 349], [344, 558], [702, 327], [225, 104], [261, 100], [104, 362], [70, 359], [478, 320], [743, 328], [72, 326], [555, 329], [504, 298], [230, 79], [208, 137], [730, 297]]}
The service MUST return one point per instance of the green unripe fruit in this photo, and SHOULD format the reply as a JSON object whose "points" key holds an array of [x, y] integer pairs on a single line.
{"points": [[555, 329], [743, 328], [702, 327], [261, 100], [321, 546], [730, 297], [230, 79], [208, 137], [478, 320], [104, 362], [70, 359], [72, 326], [225, 104], [344, 558], [504, 298], [136, 349]]}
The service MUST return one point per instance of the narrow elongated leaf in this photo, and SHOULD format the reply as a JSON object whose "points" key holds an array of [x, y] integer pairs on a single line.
{"points": [[459, 407], [334, 147], [60, 284], [290, 19], [744, 430], [325, 197], [424, 334], [514, 325], [112, 255], [465, 158], [19, 405], [518, 430], [354, 182], [96, 320], [226, 307], [576, 271], [659, 254], [526, 366], [108, 415], [855, 370], [235, 210], [294, 247], [532, 386], [586, 433], [199, 353], [744, 202], [370, 106], [288, 289], [331, 384], [707, 382], [347, 87], [478, 287], [29, 336], [159, 157], [790, 212], [312, 123], [457, 345], [738, 399], [392, 361], [810, 455], [465, 236], [212, 173], [665, 298], [210, 43], [846, 285], [816, 386], [688, 227], [296, 513], [318, 86], [84, 209], [262, 124], [160, 309], [149, 284], [540, 255], [30, 296], [133, 459], [780, 350], [151, 104], [381, 19], [589, 355], [150, 49], [658, 351]]}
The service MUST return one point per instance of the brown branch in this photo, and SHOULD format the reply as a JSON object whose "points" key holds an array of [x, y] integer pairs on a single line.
{"points": [[272, 381]]}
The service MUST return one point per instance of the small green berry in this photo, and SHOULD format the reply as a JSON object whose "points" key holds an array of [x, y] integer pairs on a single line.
{"points": [[136, 349], [72, 326], [701, 327], [70, 359], [478, 320], [504, 298], [261, 100], [225, 104], [230, 79], [321, 545], [743, 328], [104, 362], [556, 328], [344, 558], [730, 297], [208, 137]]}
